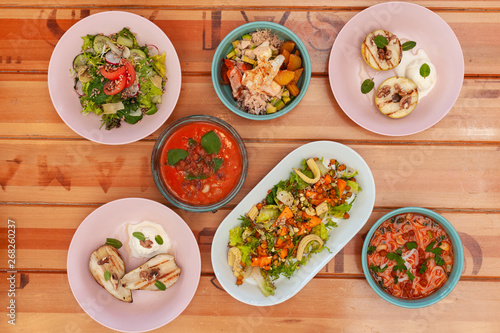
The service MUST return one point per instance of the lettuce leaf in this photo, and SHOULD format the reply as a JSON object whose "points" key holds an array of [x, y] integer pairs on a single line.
{"points": [[340, 210], [235, 236], [159, 64]]}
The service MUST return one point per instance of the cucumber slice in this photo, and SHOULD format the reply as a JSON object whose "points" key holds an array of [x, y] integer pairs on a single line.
{"points": [[80, 60], [124, 41], [100, 43], [137, 55]]}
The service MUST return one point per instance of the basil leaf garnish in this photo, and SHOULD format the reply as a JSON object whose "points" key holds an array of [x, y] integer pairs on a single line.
{"points": [[410, 275], [160, 285], [380, 41], [411, 245], [377, 269], [423, 268], [158, 239], [211, 142], [114, 243], [193, 177], [439, 261], [371, 249], [139, 235], [107, 276], [367, 86], [176, 155], [425, 70], [192, 142], [217, 163], [408, 45]]}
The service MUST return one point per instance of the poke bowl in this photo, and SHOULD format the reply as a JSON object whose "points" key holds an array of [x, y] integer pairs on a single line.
{"points": [[199, 163], [271, 101], [427, 263]]}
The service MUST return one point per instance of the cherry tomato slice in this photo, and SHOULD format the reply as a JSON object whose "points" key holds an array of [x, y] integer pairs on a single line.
{"points": [[130, 73], [115, 86], [111, 73]]}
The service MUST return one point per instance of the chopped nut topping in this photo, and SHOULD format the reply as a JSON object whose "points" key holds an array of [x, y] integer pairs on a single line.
{"points": [[381, 54], [103, 261], [146, 243], [388, 55], [384, 91], [405, 102]]}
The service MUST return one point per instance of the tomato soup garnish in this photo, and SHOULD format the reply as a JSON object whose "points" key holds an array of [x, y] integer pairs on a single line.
{"points": [[201, 163], [410, 256]]}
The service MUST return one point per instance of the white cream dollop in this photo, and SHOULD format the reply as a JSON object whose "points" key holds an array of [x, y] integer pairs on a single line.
{"points": [[149, 247], [409, 67]]}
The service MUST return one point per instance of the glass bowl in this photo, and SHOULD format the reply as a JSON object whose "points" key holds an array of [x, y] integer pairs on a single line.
{"points": [[224, 91], [156, 163], [438, 295]]}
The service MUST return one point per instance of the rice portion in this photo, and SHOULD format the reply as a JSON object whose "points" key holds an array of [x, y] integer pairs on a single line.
{"points": [[260, 36], [253, 102]]}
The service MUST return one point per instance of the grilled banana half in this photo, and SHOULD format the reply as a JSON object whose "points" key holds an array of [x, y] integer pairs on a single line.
{"points": [[397, 97], [107, 267], [159, 268], [384, 58]]}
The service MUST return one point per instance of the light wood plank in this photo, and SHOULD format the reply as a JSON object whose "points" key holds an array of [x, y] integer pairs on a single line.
{"points": [[474, 117], [38, 31], [43, 241], [82, 172], [46, 302]]}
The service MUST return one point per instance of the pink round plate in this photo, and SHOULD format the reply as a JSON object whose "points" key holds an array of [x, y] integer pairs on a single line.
{"points": [[66, 101], [409, 22], [149, 309]]}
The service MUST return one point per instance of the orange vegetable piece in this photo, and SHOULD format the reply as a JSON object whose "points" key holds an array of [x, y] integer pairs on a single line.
{"points": [[327, 179], [286, 213], [283, 253], [283, 231], [294, 62], [284, 77], [311, 194], [298, 74], [285, 54], [288, 45], [316, 202], [297, 52], [263, 262], [341, 184], [313, 221], [292, 87]]}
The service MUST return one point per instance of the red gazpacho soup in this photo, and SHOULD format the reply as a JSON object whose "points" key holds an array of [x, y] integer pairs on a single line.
{"points": [[201, 163], [410, 256]]}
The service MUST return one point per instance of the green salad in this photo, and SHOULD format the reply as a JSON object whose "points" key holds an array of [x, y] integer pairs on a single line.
{"points": [[118, 79]]}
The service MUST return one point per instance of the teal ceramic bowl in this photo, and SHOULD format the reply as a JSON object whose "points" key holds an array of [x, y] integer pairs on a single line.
{"points": [[224, 91], [442, 292]]}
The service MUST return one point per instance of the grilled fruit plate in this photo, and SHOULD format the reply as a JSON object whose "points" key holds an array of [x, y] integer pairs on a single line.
{"points": [[382, 59], [107, 259], [161, 267], [397, 97]]}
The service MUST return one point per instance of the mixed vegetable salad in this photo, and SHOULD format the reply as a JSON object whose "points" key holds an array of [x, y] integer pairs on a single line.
{"points": [[118, 79], [263, 72], [280, 234]]}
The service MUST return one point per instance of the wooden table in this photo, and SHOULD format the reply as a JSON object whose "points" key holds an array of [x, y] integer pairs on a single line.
{"points": [[51, 178]]}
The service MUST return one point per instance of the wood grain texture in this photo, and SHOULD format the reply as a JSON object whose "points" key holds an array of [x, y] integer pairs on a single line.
{"points": [[474, 117], [47, 298], [82, 172], [40, 29]]}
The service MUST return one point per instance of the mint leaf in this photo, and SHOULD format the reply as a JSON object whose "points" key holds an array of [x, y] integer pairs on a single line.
{"points": [[176, 155], [192, 142], [211, 143], [158, 239], [114, 243], [367, 86], [371, 249], [380, 41], [217, 163], [160, 285], [139, 235], [408, 45], [425, 70], [107, 276]]}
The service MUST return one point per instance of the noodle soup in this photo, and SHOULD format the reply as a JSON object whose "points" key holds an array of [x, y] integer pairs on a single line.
{"points": [[410, 256]]}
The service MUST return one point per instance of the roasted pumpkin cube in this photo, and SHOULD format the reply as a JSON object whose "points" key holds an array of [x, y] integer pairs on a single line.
{"points": [[297, 52], [294, 63], [288, 45], [284, 77], [292, 87]]}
